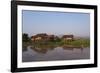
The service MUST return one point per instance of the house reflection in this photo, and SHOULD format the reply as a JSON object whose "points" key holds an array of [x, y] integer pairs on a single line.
{"points": [[72, 48], [67, 48], [43, 48]]}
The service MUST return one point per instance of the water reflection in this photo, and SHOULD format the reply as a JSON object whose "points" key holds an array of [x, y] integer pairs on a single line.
{"points": [[51, 52], [72, 48], [46, 48], [43, 48], [24, 48]]}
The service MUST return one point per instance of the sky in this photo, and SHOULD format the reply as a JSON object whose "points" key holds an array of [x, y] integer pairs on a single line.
{"points": [[57, 23]]}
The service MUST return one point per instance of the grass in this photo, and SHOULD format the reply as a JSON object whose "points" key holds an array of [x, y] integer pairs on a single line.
{"points": [[78, 43], [74, 43]]}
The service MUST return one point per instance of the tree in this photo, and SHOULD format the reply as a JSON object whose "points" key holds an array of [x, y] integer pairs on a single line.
{"points": [[25, 37]]}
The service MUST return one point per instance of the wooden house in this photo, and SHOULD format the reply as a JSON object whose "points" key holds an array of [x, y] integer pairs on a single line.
{"points": [[67, 37], [39, 37], [43, 36]]}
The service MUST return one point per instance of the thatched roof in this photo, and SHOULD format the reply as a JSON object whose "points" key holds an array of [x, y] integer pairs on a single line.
{"points": [[42, 34], [67, 36]]}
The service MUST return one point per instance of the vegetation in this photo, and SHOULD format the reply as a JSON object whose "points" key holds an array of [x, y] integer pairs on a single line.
{"points": [[25, 37], [83, 42], [78, 42]]}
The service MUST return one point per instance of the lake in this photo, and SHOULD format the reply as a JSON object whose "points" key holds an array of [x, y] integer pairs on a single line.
{"points": [[33, 54]]}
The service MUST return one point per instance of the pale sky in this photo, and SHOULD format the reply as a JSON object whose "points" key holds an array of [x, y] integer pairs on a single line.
{"points": [[57, 23]]}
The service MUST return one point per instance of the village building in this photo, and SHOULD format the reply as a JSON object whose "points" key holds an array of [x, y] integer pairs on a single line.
{"points": [[45, 37], [68, 37], [38, 37]]}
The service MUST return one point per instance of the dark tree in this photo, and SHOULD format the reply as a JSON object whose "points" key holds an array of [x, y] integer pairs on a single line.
{"points": [[25, 37], [58, 39]]}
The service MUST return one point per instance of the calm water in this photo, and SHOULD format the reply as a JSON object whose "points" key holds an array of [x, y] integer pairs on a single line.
{"points": [[30, 54]]}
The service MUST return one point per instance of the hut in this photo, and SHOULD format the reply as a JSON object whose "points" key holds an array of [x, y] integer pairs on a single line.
{"points": [[68, 37], [41, 36]]}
